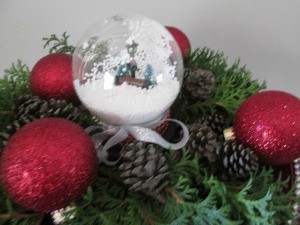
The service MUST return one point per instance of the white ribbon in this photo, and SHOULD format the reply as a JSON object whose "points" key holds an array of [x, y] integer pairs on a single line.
{"points": [[144, 134]]}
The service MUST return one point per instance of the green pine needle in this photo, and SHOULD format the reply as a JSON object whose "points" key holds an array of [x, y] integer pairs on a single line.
{"points": [[58, 44], [185, 166], [256, 210], [234, 84], [14, 83]]}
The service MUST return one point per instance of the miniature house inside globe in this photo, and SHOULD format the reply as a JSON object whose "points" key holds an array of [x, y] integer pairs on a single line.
{"points": [[127, 70]]}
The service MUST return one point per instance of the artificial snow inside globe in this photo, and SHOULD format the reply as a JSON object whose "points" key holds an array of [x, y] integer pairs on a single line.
{"points": [[127, 70]]}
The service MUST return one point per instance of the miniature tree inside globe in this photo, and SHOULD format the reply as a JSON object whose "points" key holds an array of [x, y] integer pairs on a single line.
{"points": [[127, 70]]}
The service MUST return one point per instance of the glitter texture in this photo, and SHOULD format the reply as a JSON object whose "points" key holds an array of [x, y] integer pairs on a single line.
{"points": [[269, 122], [51, 77], [181, 38], [47, 164], [127, 104]]}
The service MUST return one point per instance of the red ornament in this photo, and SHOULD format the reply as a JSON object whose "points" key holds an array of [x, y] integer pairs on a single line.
{"points": [[48, 164], [181, 39], [51, 77], [269, 122]]}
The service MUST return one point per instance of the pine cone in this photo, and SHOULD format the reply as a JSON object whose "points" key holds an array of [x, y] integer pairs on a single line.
{"points": [[201, 84], [202, 141], [237, 161], [144, 169], [216, 122], [39, 108], [12, 128]]}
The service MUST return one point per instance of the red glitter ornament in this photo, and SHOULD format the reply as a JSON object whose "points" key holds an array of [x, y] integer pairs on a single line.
{"points": [[269, 122], [48, 164], [51, 77], [181, 39]]}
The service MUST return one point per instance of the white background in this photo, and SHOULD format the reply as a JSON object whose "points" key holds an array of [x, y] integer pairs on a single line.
{"points": [[265, 34]]}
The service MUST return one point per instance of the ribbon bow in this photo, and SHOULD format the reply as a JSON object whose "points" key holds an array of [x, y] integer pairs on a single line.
{"points": [[120, 133]]}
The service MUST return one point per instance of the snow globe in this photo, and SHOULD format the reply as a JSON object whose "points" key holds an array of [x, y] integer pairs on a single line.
{"points": [[127, 69]]}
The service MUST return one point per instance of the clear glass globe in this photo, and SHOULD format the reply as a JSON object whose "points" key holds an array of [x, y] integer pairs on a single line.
{"points": [[127, 69]]}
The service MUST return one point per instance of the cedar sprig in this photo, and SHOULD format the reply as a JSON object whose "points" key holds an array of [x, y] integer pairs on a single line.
{"points": [[108, 201], [255, 210], [112, 203], [262, 200], [205, 58], [14, 83], [282, 201], [184, 166], [193, 209], [57, 44], [233, 85], [195, 197]]}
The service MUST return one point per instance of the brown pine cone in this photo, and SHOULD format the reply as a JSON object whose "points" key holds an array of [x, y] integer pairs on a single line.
{"points": [[236, 160], [144, 169], [28, 105], [202, 141], [200, 84]]}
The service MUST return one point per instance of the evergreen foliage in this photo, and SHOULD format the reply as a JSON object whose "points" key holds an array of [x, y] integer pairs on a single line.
{"points": [[59, 44], [194, 195], [14, 83], [233, 85]]}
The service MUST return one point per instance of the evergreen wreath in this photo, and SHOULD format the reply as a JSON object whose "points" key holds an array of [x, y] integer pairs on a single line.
{"points": [[193, 192]]}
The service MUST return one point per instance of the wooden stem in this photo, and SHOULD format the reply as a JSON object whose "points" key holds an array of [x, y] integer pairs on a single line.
{"points": [[148, 219], [175, 195], [18, 215]]}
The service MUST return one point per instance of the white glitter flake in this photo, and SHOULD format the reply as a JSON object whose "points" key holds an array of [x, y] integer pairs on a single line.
{"points": [[128, 104]]}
